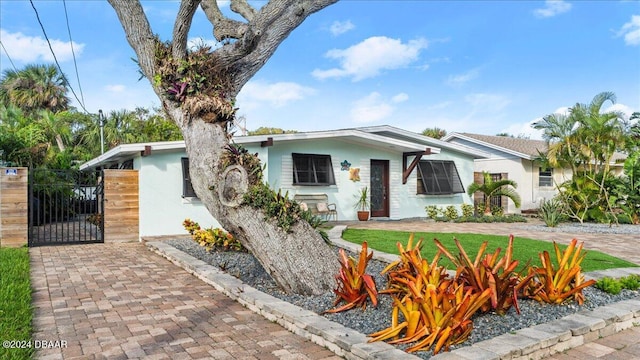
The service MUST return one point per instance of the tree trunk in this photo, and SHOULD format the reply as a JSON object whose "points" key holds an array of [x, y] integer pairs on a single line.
{"points": [[299, 261]]}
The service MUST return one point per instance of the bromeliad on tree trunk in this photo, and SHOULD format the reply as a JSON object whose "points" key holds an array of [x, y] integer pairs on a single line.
{"points": [[197, 90]]}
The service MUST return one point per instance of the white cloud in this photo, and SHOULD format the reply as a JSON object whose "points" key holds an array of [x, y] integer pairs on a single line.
{"points": [[401, 97], [368, 58], [34, 49], [117, 88], [373, 107], [276, 94], [552, 8], [631, 31], [461, 79], [341, 27], [625, 110]]}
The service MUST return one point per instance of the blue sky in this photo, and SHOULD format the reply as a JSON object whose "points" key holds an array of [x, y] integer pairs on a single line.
{"points": [[473, 66]]}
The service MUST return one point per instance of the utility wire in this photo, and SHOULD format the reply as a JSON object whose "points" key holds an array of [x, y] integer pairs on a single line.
{"points": [[56, 59], [8, 57], [73, 53]]}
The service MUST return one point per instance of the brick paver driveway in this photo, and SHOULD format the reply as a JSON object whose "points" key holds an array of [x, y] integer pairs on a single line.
{"points": [[121, 301]]}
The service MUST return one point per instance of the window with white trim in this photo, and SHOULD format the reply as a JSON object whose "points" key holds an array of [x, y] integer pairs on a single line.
{"points": [[312, 169], [545, 177], [438, 177]]}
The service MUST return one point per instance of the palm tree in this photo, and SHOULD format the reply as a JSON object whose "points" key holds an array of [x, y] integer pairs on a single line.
{"points": [[491, 188], [34, 88], [558, 132], [602, 133]]}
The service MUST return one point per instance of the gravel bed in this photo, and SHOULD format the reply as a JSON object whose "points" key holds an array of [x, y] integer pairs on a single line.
{"points": [[586, 228], [245, 267]]}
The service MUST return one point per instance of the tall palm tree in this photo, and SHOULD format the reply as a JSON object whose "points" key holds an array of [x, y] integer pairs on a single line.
{"points": [[491, 188], [558, 132], [55, 127], [35, 87], [602, 133]]}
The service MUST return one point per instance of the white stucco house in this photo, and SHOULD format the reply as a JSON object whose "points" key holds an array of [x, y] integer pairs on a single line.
{"points": [[515, 159], [404, 171]]}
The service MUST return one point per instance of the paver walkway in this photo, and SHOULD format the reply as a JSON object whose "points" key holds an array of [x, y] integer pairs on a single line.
{"points": [[121, 301]]}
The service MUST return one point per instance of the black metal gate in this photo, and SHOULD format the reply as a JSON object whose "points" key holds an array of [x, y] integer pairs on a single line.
{"points": [[65, 207]]}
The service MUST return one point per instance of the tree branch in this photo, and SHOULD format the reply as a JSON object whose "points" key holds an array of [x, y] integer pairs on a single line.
{"points": [[138, 32], [223, 28], [182, 26], [268, 29], [244, 9]]}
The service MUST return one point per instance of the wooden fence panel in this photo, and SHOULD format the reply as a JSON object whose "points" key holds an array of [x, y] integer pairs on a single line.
{"points": [[121, 206], [14, 211]]}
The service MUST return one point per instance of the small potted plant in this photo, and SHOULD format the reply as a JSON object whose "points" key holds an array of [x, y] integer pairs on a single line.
{"points": [[362, 204]]}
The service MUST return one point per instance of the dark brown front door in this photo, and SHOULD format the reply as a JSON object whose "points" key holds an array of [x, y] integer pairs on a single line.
{"points": [[379, 188]]}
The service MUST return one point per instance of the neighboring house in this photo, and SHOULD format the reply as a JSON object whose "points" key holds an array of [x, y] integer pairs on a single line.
{"points": [[405, 172], [515, 159]]}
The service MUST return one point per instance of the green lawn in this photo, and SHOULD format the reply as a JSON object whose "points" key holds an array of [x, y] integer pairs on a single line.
{"points": [[523, 249], [15, 302]]}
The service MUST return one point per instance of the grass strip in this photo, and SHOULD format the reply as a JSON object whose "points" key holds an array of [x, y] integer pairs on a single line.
{"points": [[15, 304], [524, 249]]}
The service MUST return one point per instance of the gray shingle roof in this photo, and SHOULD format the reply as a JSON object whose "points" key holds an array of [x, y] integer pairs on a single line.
{"points": [[524, 146]]}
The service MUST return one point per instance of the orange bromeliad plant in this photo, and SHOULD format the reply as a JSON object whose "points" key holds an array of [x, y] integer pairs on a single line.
{"points": [[489, 271], [553, 285], [436, 310], [354, 284]]}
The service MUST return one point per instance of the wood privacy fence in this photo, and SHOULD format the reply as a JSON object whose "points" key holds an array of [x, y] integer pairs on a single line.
{"points": [[120, 210], [14, 209], [121, 206]]}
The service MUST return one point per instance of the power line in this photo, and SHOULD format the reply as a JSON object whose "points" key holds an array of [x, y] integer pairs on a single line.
{"points": [[73, 53], [56, 59], [8, 57]]}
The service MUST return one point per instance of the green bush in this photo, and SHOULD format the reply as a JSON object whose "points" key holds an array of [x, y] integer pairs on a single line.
{"points": [[513, 218], [614, 286], [631, 282], [451, 212], [432, 211], [497, 211], [551, 212], [467, 210]]}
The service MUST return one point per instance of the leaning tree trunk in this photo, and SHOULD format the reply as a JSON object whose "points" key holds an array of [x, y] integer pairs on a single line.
{"points": [[299, 260]]}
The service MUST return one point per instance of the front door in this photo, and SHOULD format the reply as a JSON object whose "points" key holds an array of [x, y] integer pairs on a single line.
{"points": [[379, 188]]}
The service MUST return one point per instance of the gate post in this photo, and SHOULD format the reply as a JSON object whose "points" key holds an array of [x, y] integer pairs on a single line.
{"points": [[121, 206], [14, 209]]}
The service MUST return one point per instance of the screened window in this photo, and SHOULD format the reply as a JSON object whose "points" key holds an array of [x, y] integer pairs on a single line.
{"points": [[187, 188], [438, 177], [312, 169], [545, 177]]}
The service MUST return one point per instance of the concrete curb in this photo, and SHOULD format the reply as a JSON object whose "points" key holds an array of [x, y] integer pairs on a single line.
{"points": [[531, 343]]}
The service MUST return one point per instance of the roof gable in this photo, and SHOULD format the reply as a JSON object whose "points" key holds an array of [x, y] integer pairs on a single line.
{"points": [[524, 148]]}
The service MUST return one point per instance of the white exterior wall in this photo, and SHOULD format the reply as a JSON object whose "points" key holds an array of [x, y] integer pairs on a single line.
{"points": [[162, 208], [403, 201]]}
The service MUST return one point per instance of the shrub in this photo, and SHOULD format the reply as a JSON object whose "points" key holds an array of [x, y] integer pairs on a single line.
{"points": [[609, 285], [432, 211], [451, 212], [551, 212], [614, 286], [512, 218], [497, 211], [212, 238], [467, 210]]}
